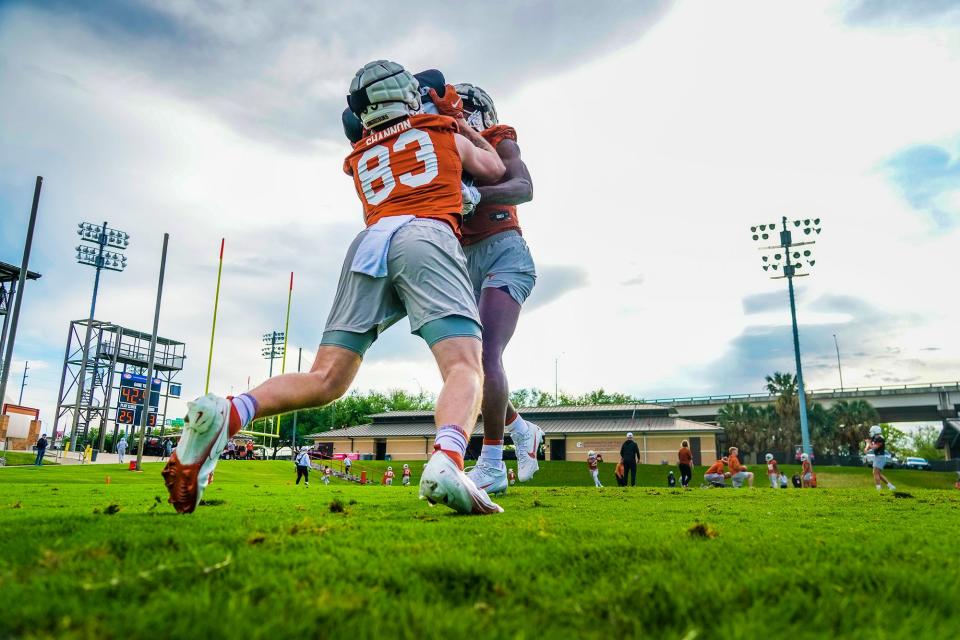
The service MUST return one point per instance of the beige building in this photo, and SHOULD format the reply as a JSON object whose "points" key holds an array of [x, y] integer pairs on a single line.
{"points": [[570, 432]]}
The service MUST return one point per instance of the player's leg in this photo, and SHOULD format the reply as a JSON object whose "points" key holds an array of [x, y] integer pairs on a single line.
{"points": [[429, 272], [503, 275], [499, 313], [443, 479]]}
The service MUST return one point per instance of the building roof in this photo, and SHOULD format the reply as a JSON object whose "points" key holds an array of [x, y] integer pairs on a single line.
{"points": [[606, 411], [617, 426], [9, 273]]}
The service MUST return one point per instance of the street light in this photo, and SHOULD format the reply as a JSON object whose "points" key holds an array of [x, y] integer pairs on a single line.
{"points": [[274, 346], [99, 258], [785, 259]]}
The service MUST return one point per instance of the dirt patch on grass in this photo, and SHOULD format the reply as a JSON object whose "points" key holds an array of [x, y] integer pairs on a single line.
{"points": [[702, 530], [336, 506]]}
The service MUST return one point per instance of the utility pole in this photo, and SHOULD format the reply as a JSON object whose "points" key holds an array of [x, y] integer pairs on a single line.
{"points": [[144, 416], [18, 300], [23, 381], [782, 258], [839, 370]]}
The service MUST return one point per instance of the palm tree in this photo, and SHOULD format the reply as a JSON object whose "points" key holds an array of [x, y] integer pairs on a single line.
{"points": [[853, 419]]}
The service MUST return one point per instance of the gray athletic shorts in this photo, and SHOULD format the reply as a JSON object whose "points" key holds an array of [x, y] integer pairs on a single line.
{"points": [[500, 261], [713, 477], [879, 461], [426, 280], [739, 478]]}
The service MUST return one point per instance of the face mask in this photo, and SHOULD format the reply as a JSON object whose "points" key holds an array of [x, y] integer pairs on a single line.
{"points": [[475, 120]]}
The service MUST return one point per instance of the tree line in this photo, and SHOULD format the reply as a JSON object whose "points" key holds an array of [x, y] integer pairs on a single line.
{"points": [[839, 430]]}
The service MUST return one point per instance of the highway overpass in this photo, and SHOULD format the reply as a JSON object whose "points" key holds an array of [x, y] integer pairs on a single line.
{"points": [[902, 403]]}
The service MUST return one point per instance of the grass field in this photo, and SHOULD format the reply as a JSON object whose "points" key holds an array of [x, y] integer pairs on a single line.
{"points": [[15, 458], [80, 558]]}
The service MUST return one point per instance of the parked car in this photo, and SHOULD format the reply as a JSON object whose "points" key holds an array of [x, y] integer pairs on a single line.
{"points": [[916, 463], [892, 462]]}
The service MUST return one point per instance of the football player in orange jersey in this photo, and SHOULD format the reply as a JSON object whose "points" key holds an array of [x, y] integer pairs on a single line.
{"points": [[773, 471], [503, 275], [407, 262]]}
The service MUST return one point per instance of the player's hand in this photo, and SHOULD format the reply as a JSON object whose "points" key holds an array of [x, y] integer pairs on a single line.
{"points": [[451, 104]]}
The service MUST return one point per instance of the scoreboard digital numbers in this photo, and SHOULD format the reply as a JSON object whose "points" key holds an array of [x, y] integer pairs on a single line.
{"points": [[133, 388]]}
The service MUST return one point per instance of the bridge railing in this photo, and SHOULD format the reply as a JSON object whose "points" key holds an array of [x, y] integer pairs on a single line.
{"points": [[836, 393]]}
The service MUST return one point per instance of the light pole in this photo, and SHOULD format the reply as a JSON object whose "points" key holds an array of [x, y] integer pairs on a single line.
{"points": [[839, 370], [274, 346], [98, 258], [23, 381], [783, 258]]}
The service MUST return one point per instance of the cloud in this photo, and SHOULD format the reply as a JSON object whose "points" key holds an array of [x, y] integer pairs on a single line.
{"points": [[553, 281], [885, 12], [281, 69], [928, 176], [635, 281], [865, 347]]}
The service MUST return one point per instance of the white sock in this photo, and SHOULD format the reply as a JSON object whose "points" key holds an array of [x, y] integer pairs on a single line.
{"points": [[246, 408], [451, 438], [492, 453], [879, 487], [517, 422], [890, 486]]}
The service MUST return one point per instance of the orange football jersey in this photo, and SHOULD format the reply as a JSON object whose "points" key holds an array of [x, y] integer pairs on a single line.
{"points": [[412, 167], [491, 219], [716, 467]]}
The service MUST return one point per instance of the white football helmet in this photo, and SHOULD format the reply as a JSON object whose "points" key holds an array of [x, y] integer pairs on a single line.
{"points": [[875, 430], [389, 468], [804, 457], [591, 453], [482, 114], [383, 91], [768, 457]]}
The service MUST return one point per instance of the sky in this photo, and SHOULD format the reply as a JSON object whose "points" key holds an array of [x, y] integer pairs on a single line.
{"points": [[656, 133]]}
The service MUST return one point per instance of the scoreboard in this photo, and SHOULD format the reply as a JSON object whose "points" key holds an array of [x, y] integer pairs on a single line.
{"points": [[130, 399]]}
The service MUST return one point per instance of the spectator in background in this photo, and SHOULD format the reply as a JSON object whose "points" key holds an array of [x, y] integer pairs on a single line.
{"points": [[231, 450], [347, 463], [121, 448], [41, 449], [630, 456], [738, 472], [303, 467], [773, 471], [88, 453], [685, 462], [249, 449], [784, 482]]}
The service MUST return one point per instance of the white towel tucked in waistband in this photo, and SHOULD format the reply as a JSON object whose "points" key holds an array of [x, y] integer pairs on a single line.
{"points": [[371, 256]]}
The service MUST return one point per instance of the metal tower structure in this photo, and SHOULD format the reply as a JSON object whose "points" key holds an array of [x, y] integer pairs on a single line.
{"points": [[9, 275], [116, 354]]}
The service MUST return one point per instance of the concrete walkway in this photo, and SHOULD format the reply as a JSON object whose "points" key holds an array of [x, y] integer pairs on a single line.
{"points": [[73, 457]]}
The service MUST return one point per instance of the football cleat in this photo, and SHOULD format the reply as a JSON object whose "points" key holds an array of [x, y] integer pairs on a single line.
{"points": [[527, 438], [489, 477], [190, 467], [443, 482]]}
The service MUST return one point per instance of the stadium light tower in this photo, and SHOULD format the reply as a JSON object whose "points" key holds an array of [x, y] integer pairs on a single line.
{"points": [[786, 261], [98, 258], [274, 346]]}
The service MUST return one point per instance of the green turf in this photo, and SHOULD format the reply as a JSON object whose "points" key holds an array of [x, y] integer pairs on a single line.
{"points": [[80, 558], [16, 458]]}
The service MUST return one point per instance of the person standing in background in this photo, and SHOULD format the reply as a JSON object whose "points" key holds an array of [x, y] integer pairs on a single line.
{"points": [[773, 471], [685, 463], [41, 449], [303, 467], [121, 449], [630, 456]]}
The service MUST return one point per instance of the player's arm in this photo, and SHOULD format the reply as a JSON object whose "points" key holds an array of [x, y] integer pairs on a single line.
{"points": [[516, 186], [481, 162]]}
